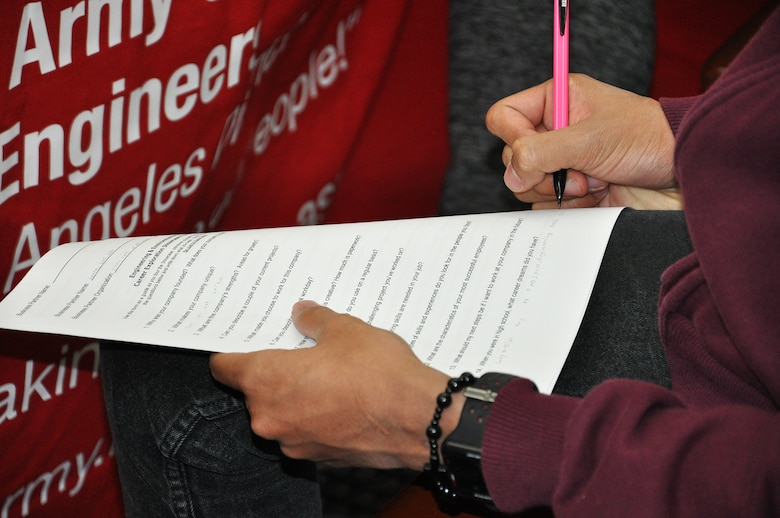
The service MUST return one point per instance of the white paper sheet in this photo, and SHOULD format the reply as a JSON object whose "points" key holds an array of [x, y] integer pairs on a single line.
{"points": [[492, 292]]}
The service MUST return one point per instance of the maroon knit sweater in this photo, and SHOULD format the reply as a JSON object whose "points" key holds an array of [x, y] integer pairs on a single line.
{"points": [[711, 446]]}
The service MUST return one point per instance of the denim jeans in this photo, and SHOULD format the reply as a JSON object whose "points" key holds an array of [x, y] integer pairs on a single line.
{"points": [[184, 444]]}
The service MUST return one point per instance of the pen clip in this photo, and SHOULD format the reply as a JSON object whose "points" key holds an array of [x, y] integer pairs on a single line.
{"points": [[562, 16]]}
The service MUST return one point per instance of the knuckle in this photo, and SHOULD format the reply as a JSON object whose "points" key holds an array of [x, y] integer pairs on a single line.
{"points": [[294, 452], [491, 116], [265, 429], [523, 157], [343, 321]]}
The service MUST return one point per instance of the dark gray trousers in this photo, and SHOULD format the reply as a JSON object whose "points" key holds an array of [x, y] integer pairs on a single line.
{"points": [[619, 335]]}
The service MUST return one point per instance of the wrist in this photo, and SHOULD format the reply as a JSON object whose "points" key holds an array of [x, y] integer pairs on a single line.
{"points": [[417, 423], [450, 419], [455, 458]]}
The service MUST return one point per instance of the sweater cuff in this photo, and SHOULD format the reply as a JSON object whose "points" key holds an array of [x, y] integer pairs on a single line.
{"points": [[522, 447], [675, 109]]}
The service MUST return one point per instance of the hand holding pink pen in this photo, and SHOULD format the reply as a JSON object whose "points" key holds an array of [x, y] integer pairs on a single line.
{"points": [[560, 81]]}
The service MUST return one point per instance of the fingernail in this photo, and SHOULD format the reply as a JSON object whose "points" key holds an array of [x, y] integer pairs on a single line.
{"points": [[301, 305], [511, 180], [594, 184]]}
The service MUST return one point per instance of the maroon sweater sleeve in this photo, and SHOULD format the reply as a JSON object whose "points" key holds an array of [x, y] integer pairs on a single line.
{"points": [[711, 446], [630, 449]]}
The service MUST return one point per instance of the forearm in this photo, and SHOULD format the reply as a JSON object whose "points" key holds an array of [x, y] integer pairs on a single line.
{"points": [[630, 448]]}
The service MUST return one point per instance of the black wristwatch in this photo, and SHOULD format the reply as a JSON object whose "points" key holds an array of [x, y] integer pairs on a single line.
{"points": [[462, 450]]}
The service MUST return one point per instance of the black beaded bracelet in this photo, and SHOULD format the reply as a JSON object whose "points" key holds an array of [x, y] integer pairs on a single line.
{"points": [[442, 483]]}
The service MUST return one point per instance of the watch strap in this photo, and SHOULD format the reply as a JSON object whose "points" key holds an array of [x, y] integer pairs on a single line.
{"points": [[462, 450]]}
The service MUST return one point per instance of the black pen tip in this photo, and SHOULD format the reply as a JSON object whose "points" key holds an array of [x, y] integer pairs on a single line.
{"points": [[559, 183]]}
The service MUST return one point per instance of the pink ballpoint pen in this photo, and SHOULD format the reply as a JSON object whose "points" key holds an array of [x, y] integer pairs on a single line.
{"points": [[560, 81]]}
